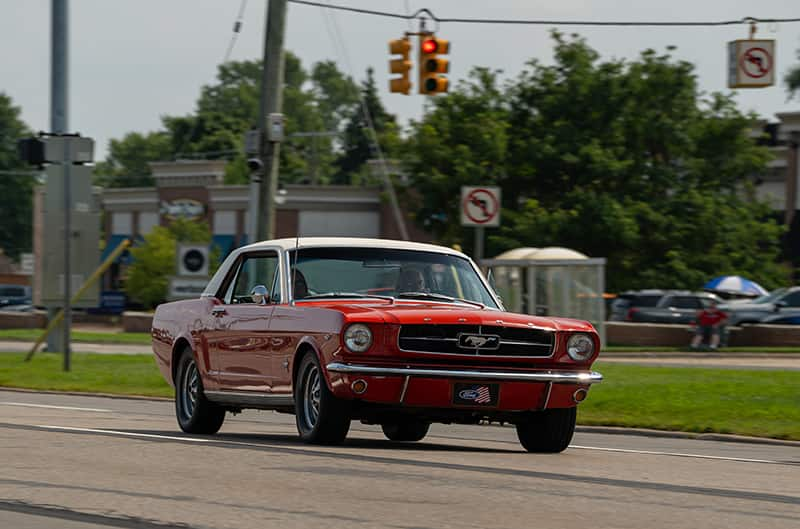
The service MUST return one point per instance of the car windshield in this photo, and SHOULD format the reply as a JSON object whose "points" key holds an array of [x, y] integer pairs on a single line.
{"points": [[772, 296], [381, 272]]}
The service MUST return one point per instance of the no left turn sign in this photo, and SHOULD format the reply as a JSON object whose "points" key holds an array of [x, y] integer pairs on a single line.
{"points": [[480, 206], [751, 63], [756, 62]]}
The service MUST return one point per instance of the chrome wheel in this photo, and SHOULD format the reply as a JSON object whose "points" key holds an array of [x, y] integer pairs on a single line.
{"points": [[195, 413], [321, 417], [189, 389], [311, 400]]}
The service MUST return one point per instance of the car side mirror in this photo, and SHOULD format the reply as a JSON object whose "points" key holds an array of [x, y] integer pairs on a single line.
{"points": [[779, 305], [260, 295]]}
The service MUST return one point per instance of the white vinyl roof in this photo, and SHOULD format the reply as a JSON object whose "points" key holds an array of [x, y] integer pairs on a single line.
{"points": [[351, 242]]}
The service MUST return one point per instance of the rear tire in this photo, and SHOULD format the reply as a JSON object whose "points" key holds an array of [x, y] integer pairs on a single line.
{"points": [[548, 431], [195, 413], [408, 430], [321, 417]]}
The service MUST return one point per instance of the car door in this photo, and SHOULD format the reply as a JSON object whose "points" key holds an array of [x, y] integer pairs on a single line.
{"points": [[684, 309], [239, 341]]}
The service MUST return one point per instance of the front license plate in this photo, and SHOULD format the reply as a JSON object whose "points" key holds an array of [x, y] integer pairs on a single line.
{"points": [[465, 394]]}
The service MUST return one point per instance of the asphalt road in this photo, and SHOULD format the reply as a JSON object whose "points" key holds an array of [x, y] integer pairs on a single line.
{"points": [[80, 462]]}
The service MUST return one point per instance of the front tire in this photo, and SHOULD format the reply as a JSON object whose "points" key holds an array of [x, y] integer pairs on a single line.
{"points": [[195, 413], [408, 430], [321, 417], [548, 431]]}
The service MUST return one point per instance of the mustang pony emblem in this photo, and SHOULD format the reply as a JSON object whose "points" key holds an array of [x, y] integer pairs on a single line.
{"points": [[478, 341]]}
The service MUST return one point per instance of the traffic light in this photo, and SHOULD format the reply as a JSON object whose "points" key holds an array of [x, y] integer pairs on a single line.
{"points": [[401, 65], [431, 65]]}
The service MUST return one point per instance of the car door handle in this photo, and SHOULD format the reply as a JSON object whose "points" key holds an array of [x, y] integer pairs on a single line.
{"points": [[218, 311]]}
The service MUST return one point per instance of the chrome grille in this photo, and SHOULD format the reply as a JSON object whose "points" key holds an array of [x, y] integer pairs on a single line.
{"points": [[444, 339]]}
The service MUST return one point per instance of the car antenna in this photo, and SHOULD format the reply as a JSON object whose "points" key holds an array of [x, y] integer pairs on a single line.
{"points": [[294, 268]]}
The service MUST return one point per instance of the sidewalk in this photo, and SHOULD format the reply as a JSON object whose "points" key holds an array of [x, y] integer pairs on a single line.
{"points": [[16, 346]]}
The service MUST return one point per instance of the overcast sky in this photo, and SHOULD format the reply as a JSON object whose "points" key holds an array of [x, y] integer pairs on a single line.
{"points": [[133, 61]]}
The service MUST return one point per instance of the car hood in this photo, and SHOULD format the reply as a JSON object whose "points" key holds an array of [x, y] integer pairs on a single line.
{"points": [[405, 313]]}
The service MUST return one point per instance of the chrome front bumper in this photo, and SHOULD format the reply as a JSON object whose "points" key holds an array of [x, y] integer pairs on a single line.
{"points": [[563, 377]]}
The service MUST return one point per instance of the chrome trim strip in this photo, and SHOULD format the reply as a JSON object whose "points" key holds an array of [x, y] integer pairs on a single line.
{"points": [[404, 390], [574, 377], [548, 390], [246, 399]]}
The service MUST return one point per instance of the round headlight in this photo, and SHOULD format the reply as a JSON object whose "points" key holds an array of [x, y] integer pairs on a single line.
{"points": [[580, 347], [358, 338]]}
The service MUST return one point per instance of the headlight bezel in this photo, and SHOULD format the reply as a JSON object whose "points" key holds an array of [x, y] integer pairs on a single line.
{"points": [[348, 337], [580, 347]]}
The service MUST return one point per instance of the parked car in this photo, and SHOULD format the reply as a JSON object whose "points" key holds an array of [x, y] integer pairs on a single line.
{"points": [[782, 300], [14, 295], [676, 307], [624, 303], [392, 333]]}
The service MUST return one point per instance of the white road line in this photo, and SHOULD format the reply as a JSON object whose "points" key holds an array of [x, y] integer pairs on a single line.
{"points": [[125, 434], [259, 445], [29, 405], [677, 454]]}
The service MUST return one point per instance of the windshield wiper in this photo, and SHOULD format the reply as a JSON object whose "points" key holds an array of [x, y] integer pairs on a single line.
{"points": [[439, 297], [345, 295]]}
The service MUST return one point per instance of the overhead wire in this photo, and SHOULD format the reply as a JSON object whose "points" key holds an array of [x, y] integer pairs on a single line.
{"points": [[237, 28], [372, 136], [539, 22]]}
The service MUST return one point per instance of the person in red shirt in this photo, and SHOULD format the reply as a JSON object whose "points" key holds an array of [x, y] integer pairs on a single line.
{"points": [[709, 324]]}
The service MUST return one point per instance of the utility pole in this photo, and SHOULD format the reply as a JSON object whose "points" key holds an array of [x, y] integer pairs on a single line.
{"points": [[271, 103], [59, 123]]}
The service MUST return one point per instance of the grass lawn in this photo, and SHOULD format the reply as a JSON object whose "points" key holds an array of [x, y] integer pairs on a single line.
{"points": [[137, 338], [759, 403], [98, 373], [662, 349]]}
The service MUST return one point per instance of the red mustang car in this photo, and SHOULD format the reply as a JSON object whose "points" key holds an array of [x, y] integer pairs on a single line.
{"points": [[386, 332]]}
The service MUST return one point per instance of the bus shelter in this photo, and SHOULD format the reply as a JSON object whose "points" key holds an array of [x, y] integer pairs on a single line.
{"points": [[569, 287]]}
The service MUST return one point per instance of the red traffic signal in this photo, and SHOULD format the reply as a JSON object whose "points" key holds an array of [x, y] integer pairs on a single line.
{"points": [[431, 66]]}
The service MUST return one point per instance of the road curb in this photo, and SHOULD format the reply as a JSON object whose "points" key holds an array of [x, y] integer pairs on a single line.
{"points": [[85, 394], [645, 432]]}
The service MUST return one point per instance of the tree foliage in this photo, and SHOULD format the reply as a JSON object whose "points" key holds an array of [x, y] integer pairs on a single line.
{"points": [[620, 159], [16, 183], [227, 108], [147, 278]]}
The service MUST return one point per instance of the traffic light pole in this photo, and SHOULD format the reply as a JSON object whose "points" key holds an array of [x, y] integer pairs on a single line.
{"points": [[67, 251], [59, 122], [270, 103]]}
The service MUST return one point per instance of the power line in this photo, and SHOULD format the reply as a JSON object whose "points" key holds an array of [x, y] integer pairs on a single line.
{"points": [[338, 42], [533, 22], [237, 27]]}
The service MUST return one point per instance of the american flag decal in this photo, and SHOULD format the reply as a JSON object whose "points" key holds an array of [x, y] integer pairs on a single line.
{"points": [[484, 396]]}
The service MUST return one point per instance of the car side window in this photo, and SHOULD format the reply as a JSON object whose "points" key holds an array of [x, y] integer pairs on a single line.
{"points": [[254, 270], [792, 300], [685, 302]]}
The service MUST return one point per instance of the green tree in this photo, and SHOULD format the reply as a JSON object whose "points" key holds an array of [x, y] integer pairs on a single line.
{"points": [[792, 78], [126, 162], [463, 140], [358, 140], [16, 183], [621, 159], [226, 109], [147, 279]]}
